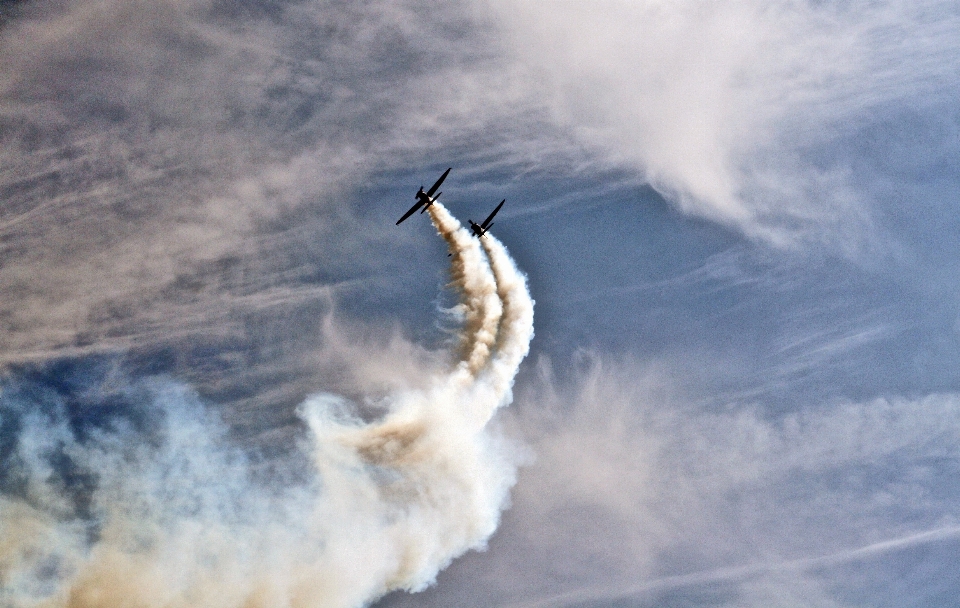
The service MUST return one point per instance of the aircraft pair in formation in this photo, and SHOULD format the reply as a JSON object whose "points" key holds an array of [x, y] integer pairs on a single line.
{"points": [[425, 199]]}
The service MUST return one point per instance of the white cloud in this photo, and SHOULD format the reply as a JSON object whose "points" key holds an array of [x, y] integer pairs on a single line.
{"points": [[739, 112], [163, 158]]}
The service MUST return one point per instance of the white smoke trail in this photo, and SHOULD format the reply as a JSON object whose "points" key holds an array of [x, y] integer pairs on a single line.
{"points": [[173, 519], [513, 341], [471, 275]]}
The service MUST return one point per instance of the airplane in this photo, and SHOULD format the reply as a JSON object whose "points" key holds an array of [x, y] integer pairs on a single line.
{"points": [[425, 199], [480, 230]]}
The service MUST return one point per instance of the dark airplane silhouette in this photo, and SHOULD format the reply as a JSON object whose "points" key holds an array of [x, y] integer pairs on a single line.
{"points": [[481, 229], [425, 199]]}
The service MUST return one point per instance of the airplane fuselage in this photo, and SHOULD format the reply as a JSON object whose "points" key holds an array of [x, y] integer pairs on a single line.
{"points": [[481, 229], [424, 199], [478, 230]]}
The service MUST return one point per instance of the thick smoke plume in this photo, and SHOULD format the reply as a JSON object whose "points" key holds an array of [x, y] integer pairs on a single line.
{"points": [[126, 492]]}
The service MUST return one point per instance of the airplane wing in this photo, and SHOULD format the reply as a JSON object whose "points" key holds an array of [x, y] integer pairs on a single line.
{"points": [[486, 222], [411, 212], [434, 187]]}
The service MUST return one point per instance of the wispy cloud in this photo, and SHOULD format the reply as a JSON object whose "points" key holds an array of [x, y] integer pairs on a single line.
{"points": [[635, 493], [746, 114], [147, 145]]}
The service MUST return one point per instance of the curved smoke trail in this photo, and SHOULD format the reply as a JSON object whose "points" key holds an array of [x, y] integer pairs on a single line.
{"points": [[156, 509], [470, 274], [516, 323]]}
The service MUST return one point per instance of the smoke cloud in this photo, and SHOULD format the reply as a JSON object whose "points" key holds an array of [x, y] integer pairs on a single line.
{"points": [[119, 491]]}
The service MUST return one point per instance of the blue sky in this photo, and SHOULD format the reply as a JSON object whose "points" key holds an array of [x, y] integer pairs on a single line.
{"points": [[738, 222]]}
